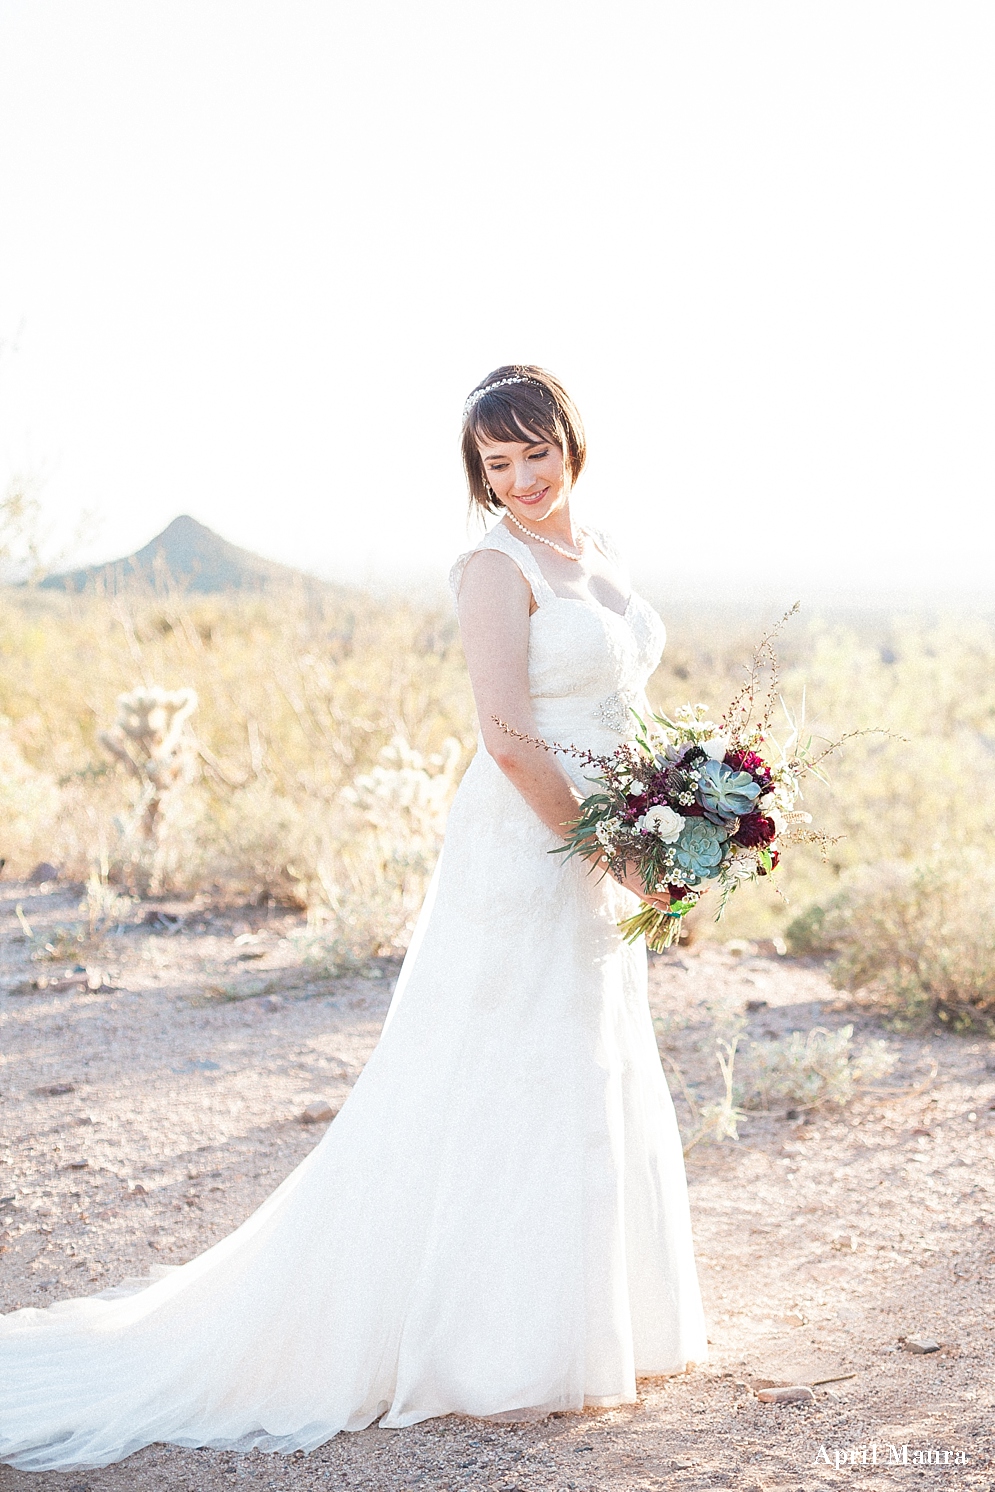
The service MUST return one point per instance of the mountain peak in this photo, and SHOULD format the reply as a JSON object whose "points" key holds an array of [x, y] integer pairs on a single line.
{"points": [[187, 554]]}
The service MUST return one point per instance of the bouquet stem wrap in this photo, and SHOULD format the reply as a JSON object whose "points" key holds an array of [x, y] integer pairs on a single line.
{"points": [[661, 929]]}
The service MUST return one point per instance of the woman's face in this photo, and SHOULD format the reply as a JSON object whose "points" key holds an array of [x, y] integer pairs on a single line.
{"points": [[531, 479]]}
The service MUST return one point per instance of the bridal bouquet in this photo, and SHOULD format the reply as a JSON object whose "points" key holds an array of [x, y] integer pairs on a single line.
{"points": [[690, 804], [694, 803]]}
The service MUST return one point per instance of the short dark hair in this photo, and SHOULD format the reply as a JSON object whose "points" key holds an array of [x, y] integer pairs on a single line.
{"points": [[537, 407]]}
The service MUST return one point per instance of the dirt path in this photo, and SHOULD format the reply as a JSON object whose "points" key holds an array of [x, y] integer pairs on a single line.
{"points": [[172, 1109]]}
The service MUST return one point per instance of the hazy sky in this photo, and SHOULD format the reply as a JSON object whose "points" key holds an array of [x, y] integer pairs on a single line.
{"points": [[253, 257]]}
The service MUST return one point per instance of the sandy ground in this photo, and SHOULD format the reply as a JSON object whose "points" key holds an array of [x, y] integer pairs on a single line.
{"points": [[143, 1119]]}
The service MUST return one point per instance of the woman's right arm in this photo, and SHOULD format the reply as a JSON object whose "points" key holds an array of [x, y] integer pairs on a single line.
{"points": [[494, 604]]}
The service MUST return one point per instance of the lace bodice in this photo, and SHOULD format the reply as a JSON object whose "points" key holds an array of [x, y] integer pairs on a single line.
{"points": [[588, 664]]}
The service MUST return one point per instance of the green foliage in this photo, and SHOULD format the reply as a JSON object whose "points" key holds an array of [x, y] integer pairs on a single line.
{"points": [[21, 531]]}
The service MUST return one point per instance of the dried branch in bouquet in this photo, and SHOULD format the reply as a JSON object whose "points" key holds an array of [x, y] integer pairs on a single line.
{"points": [[811, 763], [743, 702], [587, 757], [796, 835]]}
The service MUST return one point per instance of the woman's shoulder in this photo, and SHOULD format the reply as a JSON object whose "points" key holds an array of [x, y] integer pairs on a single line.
{"points": [[496, 548]]}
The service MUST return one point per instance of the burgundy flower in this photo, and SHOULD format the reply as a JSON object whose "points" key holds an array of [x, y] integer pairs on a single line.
{"points": [[755, 830], [748, 761]]}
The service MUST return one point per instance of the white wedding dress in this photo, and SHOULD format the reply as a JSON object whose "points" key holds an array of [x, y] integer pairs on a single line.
{"points": [[497, 1221]]}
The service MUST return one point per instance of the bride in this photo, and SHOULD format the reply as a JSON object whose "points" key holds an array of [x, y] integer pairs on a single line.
{"points": [[497, 1221]]}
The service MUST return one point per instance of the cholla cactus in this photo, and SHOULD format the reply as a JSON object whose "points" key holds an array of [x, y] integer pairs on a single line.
{"points": [[150, 740], [371, 882], [406, 794]]}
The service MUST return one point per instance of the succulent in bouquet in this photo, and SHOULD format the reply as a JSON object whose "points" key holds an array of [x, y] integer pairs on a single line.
{"points": [[693, 804]]}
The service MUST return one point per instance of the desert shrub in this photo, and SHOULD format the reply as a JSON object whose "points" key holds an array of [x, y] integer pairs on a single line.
{"points": [[368, 894], [29, 804], [316, 768], [152, 741], [300, 693], [921, 936], [719, 1120], [806, 935], [820, 1067], [929, 680]]}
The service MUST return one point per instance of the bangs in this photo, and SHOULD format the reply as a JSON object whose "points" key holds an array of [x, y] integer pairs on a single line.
{"points": [[496, 418]]}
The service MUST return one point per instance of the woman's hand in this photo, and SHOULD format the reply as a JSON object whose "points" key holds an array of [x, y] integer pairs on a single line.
{"points": [[632, 881]]}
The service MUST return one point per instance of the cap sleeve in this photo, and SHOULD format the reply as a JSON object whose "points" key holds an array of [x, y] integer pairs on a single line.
{"points": [[456, 574], [498, 538]]}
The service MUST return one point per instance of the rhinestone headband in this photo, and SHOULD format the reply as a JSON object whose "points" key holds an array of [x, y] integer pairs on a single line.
{"points": [[488, 388]]}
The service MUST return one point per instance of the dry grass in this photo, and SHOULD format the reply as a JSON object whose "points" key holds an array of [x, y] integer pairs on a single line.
{"points": [[920, 936], [326, 743], [818, 1068], [931, 681], [323, 769]]}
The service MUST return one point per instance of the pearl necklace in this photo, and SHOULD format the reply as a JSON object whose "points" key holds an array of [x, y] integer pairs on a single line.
{"points": [[549, 542]]}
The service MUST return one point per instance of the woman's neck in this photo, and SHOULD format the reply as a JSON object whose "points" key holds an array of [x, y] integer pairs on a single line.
{"points": [[558, 526]]}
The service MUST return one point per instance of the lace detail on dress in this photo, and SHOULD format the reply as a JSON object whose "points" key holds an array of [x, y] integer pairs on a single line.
{"points": [[456, 575], [609, 548]]}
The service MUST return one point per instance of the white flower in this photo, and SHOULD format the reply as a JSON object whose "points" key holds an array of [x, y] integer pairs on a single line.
{"points": [[606, 831], [742, 866], [785, 789], [663, 822], [716, 747], [778, 806], [636, 789]]}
